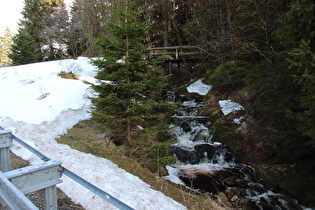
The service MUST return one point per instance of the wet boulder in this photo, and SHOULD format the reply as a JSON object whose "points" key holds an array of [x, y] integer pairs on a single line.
{"points": [[185, 156], [214, 153], [203, 182]]}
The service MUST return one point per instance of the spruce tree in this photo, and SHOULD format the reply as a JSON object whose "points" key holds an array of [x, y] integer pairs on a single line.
{"points": [[33, 27], [299, 36], [24, 49], [303, 60], [129, 86]]}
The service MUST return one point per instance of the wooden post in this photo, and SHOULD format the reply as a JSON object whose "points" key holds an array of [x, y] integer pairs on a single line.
{"points": [[176, 54], [170, 67]]}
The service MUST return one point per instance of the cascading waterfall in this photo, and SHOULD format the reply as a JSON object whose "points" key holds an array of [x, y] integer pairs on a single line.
{"points": [[207, 166]]}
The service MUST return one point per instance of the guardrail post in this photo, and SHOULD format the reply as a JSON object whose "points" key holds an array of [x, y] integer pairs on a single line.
{"points": [[5, 143], [36, 177], [51, 198]]}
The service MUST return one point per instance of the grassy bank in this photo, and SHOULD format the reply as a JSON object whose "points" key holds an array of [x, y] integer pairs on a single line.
{"points": [[89, 137]]}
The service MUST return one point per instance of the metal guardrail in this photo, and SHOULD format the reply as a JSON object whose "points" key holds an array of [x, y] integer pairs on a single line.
{"points": [[13, 197], [44, 176], [97, 191], [14, 184]]}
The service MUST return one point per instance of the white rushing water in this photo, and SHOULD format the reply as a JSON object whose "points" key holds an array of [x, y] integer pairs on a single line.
{"points": [[204, 165]]}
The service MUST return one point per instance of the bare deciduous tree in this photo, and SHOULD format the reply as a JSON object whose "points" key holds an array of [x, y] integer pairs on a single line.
{"points": [[54, 32]]}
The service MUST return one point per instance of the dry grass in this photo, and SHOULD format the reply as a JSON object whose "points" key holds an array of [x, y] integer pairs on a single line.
{"points": [[89, 137], [67, 75]]}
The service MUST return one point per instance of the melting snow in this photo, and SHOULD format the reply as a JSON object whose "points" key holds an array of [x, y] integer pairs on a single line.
{"points": [[40, 122], [199, 87], [238, 120], [190, 170], [174, 175], [228, 106]]}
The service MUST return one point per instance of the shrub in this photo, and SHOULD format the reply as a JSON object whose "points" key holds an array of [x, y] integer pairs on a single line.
{"points": [[230, 74], [159, 153], [70, 70], [67, 75]]}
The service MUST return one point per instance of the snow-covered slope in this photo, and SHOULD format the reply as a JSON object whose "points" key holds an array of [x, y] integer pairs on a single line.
{"points": [[38, 106]]}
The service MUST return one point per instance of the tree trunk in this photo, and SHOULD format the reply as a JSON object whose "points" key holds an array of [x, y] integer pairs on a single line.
{"points": [[165, 23], [129, 136]]}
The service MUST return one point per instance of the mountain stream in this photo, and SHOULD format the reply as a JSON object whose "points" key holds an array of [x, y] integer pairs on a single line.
{"points": [[209, 167]]}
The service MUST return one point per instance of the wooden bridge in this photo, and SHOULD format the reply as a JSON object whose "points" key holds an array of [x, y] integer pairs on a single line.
{"points": [[176, 53], [177, 56]]}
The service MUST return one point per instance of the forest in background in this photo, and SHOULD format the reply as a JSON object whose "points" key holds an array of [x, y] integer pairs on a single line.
{"points": [[262, 51]]}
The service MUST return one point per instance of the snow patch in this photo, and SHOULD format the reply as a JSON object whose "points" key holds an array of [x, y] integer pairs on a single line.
{"points": [[238, 120], [173, 175], [199, 87], [40, 122], [227, 106], [140, 127]]}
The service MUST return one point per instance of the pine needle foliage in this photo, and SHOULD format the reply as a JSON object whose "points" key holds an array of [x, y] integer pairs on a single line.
{"points": [[133, 94], [24, 49]]}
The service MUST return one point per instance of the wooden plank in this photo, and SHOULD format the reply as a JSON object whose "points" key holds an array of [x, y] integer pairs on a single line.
{"points": [[174, 48], [175, 53]]}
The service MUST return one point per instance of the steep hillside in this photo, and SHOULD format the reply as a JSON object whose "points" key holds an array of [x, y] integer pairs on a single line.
{"points": [[283, 162]]}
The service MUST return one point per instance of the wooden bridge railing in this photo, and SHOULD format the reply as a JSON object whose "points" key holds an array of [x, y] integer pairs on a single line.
{"points": [[174, 52]]}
